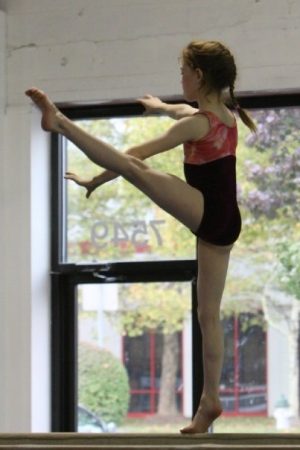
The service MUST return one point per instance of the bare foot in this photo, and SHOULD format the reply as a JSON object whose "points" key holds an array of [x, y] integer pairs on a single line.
{"points": [[50, 114], [204, 417]]}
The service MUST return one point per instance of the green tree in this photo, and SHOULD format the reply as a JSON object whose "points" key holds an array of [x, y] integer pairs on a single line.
{"points": [[103, 383]]}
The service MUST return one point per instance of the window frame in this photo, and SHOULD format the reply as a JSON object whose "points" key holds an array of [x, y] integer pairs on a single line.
{"points": [[66, 276]]}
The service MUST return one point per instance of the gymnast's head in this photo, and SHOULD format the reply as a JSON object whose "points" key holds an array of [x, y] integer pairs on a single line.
{"points": [[214, 64], [208, 67]]}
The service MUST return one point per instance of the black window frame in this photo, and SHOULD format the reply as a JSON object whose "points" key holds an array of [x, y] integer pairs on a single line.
{"points": [[66, 276]]}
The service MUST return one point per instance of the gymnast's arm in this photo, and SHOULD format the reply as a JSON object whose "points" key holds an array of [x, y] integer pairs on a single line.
{"points": [[153, 105], [183, 130]]}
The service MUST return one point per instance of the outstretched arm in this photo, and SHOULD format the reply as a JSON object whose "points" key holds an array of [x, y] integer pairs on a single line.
{"points": [[104, 177], [91, 184], [155, 105], [141, 152], [151, 105]]}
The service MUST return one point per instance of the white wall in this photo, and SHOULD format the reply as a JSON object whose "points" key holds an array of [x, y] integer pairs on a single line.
{"points": [[278, 361], [104, 49], [25, 319], [96, 50], [3, 341]]}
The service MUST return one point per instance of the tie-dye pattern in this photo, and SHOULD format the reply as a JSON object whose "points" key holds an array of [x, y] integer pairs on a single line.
{"points": [[210, 167], [220, 141]]}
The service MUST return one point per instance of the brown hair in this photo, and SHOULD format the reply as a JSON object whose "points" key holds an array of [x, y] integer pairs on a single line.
{"points": [[219, 71]]}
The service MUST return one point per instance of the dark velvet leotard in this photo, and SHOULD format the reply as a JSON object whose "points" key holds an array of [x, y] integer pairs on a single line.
{"points": [[210, 166]]}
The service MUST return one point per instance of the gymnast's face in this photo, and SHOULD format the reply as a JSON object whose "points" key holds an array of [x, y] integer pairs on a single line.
{"points": [[190, 80]]}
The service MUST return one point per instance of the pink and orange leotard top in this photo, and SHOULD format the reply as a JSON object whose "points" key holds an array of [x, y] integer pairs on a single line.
{"points": [[210, 166], [220, 141]]}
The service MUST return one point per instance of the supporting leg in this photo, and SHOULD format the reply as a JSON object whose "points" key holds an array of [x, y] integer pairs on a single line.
{"points": [[212, 270]]}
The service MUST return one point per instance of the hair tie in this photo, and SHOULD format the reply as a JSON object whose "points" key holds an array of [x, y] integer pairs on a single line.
{"points": [[235, 103]]}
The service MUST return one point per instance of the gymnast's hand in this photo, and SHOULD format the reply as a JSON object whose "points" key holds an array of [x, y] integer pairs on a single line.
{"points": [[151, 104], [90, 185]]}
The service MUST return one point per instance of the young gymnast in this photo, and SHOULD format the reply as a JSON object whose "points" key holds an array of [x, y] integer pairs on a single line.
{"points": [[206, 203]]}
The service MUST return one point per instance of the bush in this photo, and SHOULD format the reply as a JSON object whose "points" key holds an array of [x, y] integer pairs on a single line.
{"points": [[103, 383]]}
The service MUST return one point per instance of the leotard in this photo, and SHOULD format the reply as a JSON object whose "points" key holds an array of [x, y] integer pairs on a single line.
{"points": [[210, 166]]}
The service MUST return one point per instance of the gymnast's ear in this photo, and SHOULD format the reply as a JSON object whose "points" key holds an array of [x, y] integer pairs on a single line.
{"points": [[199, 74]]}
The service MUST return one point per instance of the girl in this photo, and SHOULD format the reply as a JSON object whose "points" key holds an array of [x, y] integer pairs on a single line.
{"points": [[206, 203]]}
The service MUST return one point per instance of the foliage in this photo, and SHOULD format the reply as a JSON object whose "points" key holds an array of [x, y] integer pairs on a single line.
{"points": [[274, 126], [275, 178], [146, 307], [288, 253], [103, 383]]}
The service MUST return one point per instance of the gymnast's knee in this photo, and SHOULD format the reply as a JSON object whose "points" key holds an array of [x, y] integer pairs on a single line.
{"points": [[135, 168], [208, 317]]}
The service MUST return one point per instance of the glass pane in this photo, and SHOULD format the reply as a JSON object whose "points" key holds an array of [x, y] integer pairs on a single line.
{"points": [[118, 222], [134, 351], [260, 309], [243, 387], [260, 381]]}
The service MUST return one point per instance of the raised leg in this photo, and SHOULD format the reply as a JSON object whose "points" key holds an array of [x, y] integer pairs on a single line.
{"points": [[212, 270], [168, 191]]}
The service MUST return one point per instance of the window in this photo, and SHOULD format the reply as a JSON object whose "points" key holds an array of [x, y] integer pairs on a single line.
{"points": [[118, 241], [114, 253]]}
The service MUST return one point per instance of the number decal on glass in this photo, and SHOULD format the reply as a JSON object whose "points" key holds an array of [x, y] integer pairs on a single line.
{"points": [[136, 232], [99, 233], [140, 229], [120, 234], [153, 225]]}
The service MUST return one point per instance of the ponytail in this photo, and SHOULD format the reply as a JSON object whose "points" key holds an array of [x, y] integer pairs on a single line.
{"points": [[245, 117]]}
